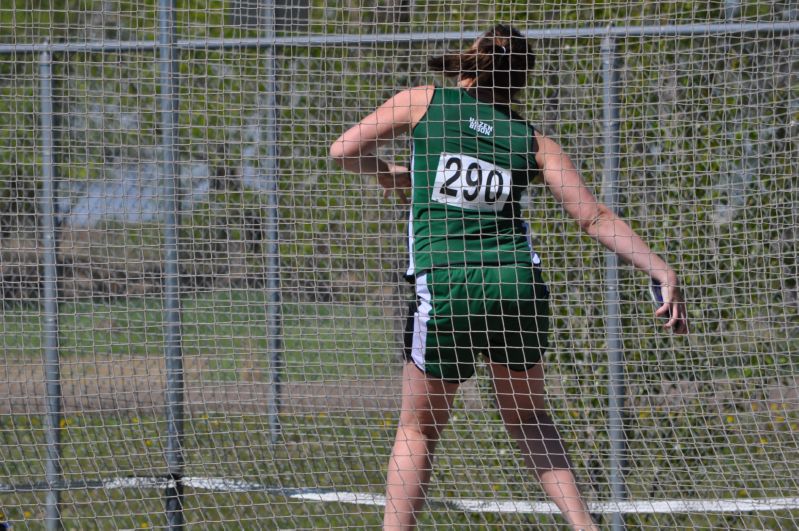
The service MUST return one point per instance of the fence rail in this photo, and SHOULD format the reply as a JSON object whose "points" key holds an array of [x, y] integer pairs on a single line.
{"points": [[621, 32]]}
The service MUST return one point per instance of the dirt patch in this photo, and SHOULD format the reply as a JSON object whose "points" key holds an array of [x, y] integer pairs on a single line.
{"points": [[138, 385]]}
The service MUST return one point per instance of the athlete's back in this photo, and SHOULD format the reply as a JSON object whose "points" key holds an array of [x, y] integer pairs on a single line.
{"points": [[471, 163]]}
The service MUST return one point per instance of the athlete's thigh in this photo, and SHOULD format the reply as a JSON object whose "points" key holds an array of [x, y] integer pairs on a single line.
{"points": [[426, 400], [519, 391]]}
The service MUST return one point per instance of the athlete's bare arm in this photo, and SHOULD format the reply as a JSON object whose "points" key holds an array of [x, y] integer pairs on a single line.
{"points": [[356, 149], [599, 222]]}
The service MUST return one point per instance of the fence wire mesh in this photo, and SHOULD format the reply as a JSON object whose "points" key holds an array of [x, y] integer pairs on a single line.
{"points": [[708, 129]]}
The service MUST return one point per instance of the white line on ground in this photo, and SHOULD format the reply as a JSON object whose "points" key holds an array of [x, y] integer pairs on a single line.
{"points": [[471, 505]]}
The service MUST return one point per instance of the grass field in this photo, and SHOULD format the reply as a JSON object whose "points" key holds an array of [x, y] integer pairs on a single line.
{"points": [[228, 328], [323, 451], [689, 453], [337, 452]]}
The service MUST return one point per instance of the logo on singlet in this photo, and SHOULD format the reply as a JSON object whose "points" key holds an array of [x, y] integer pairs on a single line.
{"points": [[481, 127]]}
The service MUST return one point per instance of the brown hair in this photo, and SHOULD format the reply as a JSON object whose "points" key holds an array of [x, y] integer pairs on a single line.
{"points": [[498, 61]]}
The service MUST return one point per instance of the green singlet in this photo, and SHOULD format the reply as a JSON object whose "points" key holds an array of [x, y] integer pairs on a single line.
{"points": [[471, 163]]}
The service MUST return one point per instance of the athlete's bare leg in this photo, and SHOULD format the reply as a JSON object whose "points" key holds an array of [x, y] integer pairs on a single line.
{"points": [[520, 396], [426, 403]]}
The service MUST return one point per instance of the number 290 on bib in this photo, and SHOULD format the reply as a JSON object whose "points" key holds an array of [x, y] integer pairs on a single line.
{"points": [[471, 184]]}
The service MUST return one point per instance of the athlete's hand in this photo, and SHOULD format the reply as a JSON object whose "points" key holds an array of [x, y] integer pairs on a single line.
{"points": [[674, 308], [397, 180]]}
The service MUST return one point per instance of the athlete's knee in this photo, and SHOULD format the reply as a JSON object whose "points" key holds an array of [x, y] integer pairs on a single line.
{"points": [[521, 420], [427, 424]]}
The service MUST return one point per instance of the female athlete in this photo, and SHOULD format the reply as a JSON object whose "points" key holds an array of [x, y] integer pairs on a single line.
{"points": [[478, 281]]}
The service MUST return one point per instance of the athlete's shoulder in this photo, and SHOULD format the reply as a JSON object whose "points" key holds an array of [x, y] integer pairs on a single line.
{"points": [[416, 99], [424, 89], [409, 105], [415, 96]]}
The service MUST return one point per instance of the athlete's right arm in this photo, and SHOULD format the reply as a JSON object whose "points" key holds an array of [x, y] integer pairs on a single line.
{"points": [[355, 150]]}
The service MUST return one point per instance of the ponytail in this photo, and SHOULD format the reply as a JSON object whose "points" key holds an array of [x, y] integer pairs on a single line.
{"points": [[498, 61]]}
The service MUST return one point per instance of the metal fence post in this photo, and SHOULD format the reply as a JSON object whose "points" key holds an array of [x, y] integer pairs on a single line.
{"points": [[52, 370], [270, 169], [616, 386], [173, 353]]}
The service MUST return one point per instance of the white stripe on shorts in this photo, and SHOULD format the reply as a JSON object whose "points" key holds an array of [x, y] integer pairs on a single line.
{"points": [[420, 319]]}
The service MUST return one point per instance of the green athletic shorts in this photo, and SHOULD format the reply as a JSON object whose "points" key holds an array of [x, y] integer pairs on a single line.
{"points": [[500, 311]]}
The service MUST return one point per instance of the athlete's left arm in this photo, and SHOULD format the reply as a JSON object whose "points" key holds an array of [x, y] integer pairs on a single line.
{"points": [[599, 222], [355, 150]]}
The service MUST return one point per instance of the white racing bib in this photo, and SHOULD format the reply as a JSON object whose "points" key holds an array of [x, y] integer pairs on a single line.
{"points": [[471, 184]]}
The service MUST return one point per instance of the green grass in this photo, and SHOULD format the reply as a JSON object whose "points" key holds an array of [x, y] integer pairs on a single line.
{"points": [[344, 452], [226, 329], [689, 450]]}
